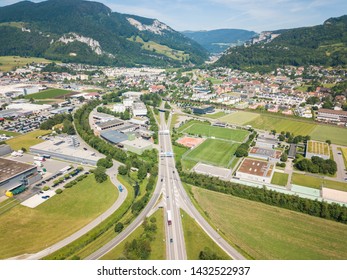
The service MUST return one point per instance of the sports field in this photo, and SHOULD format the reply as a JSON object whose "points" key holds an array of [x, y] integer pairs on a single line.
{"points": [[49, 94], [317, 182], [280, 179], [268, 232], [27, 140], [8, 63], [215, 131], [25, 230], [282, 124], [337, 135], [239, 117], [213, 151]]}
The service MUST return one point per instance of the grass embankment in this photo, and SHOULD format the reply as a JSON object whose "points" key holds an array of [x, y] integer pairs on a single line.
{"points": [[215, 115], [157, 245], [196, 240], [25, 230], [9, 133], [317, 182], [8, 63], [280, 179], [27, 140], [268, 232]]}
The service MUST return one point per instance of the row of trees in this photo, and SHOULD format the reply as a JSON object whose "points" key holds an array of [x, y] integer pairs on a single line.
{"points": [[331, 211]]}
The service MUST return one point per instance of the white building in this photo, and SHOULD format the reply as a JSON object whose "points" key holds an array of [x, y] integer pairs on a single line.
{"points": [[34, 108], [119, 108], [128, 103], [139, 109]]}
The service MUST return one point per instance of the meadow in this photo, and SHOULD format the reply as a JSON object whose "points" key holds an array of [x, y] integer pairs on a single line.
{"points": [[239, 117], [280, 179], [213, 151], [49, 94], [8, 63], [27, 140], [270, 233], [25, 230]]}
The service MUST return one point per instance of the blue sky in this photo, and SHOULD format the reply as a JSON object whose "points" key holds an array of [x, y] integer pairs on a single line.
{"points": [[256, 15]]}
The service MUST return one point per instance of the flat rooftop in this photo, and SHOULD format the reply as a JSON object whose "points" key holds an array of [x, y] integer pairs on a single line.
{"points": [[114, 122], [138, 143], [266, 152], [256, 167], [10, 168]]}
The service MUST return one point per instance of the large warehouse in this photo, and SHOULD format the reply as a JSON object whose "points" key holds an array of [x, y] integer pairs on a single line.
{"points": [[256, 170], [15, 175]]}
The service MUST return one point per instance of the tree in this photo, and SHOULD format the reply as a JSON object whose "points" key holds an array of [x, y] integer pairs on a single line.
{"points": [[118, 227], [281, 137], [122, 170], [142, 173], [328, 141], [100, 174], [284, 157]]}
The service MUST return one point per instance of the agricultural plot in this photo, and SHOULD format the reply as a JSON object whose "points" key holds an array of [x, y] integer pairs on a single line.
{"points": [[268, 232], [206, 130], [49, 94], [297, 127], [213, 151], [336, 135], [31, 230], [239, 117]]}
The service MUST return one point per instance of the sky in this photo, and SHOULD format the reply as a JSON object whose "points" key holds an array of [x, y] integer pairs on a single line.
{"points": [[254, 15]]}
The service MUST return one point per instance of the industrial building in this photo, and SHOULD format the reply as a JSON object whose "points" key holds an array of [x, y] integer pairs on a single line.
{"points": [[256, 170], [30, 108], [137, 146], [332, 116], [266, 154], [16, 176], [5, 149], [109, 124], [139, 109], [267, 143], [65, 149], [113, 136], [203, 110], [102, 117]]}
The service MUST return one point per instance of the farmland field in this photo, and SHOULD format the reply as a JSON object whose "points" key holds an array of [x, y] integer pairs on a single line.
{"points": [[216, 152], [297, 127], [7, 63], [27, 140], [316, 182], [337, 135], [279, 179], [214, 131], [48, 94], [31, 230], [197, 240], [239, 117], [268, 232]]}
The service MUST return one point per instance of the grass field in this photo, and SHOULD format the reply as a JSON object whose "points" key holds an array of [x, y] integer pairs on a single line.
{"points": [[25, 230], [48, 94], [215, 115], [316, 182], [196, 240], [268, 232], [8, 63], [157, 245], [215, 131], [217, 152], [240, 117], [344, 153], [161, 49], [297, 127], [9, 133], [280, 179], [337, 135], [27, 140]]}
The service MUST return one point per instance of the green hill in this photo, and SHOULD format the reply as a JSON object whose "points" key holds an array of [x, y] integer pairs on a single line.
{"points": [[89, 32], [324, 44]]}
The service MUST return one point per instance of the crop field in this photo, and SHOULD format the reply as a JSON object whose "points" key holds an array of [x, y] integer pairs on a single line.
{"points": [[239, 117], [203, 129], [337, 135], [49, 94], [25, 230], [317, 182], [318, 148], [213, 151], [7, 63], [27, 140], [280, 179], [197, 240], [270, 233], [282, 124]]}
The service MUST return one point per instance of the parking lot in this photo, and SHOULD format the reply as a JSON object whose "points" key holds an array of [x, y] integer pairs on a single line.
{"points": [[23, 124]]}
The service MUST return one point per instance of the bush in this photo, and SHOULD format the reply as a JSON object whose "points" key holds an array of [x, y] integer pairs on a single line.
{"points": [[58, 191], [118, 227], [46, 188]]}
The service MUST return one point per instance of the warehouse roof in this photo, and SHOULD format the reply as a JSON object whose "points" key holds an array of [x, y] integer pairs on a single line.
{"points": [[113, 136], [256, 167], [11, 168]]}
